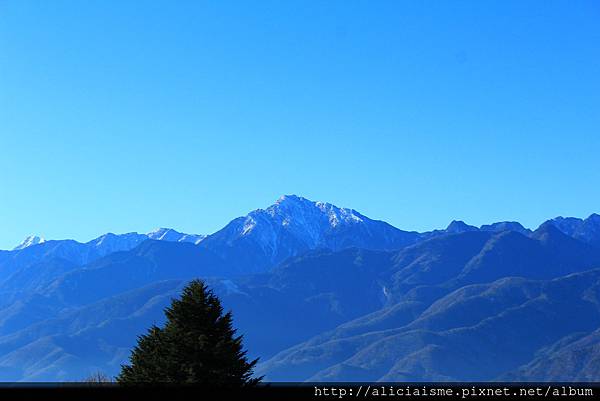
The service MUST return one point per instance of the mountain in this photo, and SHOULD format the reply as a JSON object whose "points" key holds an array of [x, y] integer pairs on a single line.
{"points": [[116, 242], [149, 262], [319, 293], [35, 251], [87, 316], [506, 226], [576, 357], [110, 243], [82, 340], [458, 226], [293, 225], [69, 250], [476, 333], [586, 230], [312, 295], [420, 276], [29, 241], [446, 262], [168, 234]]}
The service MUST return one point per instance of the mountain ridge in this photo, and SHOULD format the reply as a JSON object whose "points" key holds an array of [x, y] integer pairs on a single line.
{"points": [[161, 234], [293, 212], [347, 296]]}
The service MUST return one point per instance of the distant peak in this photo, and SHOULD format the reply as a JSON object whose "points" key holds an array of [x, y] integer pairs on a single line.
{"points": [[163, 234], [459, 226], [30, 241], [160, 230], [108, 235], [171, 235], [548, 232], [505, 226], [290, 204], [566, 219], [302, 201], [291, 198]]}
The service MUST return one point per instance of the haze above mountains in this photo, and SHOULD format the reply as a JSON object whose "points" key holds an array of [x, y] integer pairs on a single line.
{"points": [[320, 293]]}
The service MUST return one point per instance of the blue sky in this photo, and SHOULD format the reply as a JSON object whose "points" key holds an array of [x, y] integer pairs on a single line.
{"points": [[126, 115]]}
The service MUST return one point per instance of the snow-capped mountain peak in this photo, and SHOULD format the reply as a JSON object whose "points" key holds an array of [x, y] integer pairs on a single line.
{"points": [[307, 220], [164, 234], [168, 234], [340, 215], [109, 242], [293, 225], [294, 206], [29, 241]]}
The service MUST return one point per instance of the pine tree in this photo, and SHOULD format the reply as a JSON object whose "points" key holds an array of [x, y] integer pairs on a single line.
{"points": [[197, 345]]}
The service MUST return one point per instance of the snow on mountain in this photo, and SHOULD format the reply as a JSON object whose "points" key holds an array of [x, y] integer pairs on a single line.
{"points": [[308, 221], [168, 234], [29, 241], [294, 225], [34, 251], [110, 242]]}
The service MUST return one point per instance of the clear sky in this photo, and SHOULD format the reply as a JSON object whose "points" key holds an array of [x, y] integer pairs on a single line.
{"points": [[128, 115]]}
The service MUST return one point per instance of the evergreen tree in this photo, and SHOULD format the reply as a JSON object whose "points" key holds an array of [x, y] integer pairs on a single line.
{"points": [[197, 345]]}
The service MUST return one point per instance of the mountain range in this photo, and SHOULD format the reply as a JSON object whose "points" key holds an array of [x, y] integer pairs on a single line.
{"points": [[321, 293]]}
